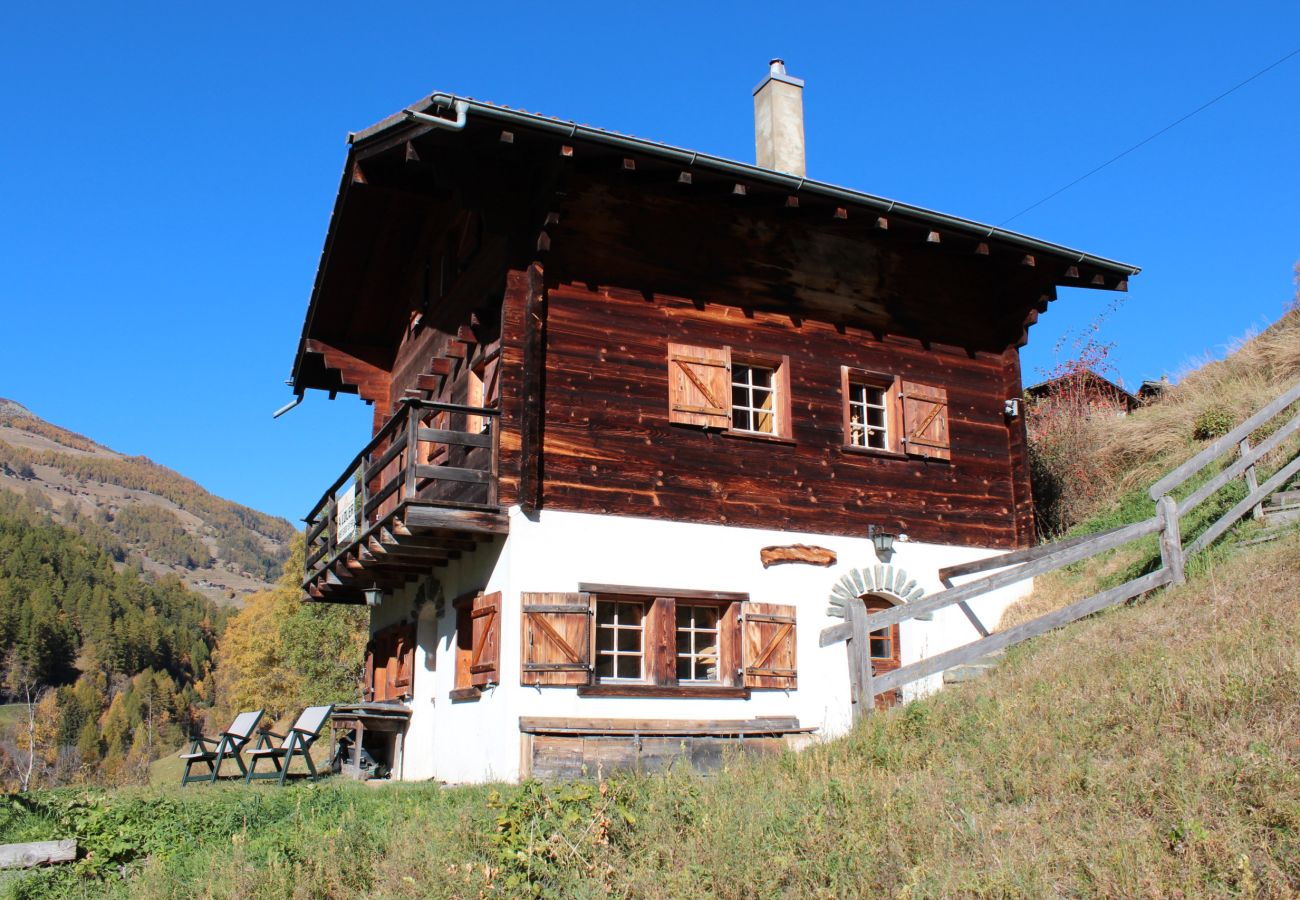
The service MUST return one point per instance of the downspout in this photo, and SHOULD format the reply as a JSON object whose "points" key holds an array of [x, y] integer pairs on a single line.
{"points": [[460, 106]]}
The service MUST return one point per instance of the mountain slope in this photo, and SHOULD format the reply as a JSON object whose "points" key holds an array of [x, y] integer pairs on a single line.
{"points": [[129, 505]]}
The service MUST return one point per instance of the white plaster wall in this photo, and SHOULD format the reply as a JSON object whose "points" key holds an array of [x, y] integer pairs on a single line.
{"points": [[479, 740]]}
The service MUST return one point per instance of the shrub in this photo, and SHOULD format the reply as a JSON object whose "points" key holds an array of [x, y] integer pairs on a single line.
{"points": [[1212, 423]]}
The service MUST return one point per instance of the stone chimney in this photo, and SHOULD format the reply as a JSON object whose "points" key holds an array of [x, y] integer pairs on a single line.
{"points": [[778, 121]]}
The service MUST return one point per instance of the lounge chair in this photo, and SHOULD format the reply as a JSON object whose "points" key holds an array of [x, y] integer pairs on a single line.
{"points": [[297, 742], [212, 752]]}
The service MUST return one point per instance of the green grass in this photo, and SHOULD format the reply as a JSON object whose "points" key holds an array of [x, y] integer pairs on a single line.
{"points": [[12, 714], [1151, 750]]}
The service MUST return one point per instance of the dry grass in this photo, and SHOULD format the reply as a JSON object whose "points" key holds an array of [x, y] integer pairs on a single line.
{"points": [[1144, 445]]}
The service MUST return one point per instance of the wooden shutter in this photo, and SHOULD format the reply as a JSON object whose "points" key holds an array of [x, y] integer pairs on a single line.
{"points": [[925, 420], [404, 656], [485, 623], [368, 679], [699, 386], [768, 645], [556, 643]]}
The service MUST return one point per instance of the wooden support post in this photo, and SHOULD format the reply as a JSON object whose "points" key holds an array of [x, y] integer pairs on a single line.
{"points": [[858, 647], [1171, 541], [1252, 483], [412, 453]]}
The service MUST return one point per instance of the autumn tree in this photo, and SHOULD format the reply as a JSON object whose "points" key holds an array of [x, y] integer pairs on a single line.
{"points": [[281, 654]]}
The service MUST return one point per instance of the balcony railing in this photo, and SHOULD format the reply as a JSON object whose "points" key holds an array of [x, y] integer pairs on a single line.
{"points": [[432, 454]]}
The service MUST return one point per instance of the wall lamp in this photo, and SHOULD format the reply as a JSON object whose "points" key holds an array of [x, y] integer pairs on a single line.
{"points": [[883, 541], [374, 596]]}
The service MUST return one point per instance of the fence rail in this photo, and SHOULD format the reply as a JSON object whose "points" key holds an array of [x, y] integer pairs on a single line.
{"points": [[1023, 564]]}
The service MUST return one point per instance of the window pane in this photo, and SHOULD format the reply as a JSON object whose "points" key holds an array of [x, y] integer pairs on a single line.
{"points": [[629, 640], [706, 616], [875, 417], [604, 613], [761, 377], [604, 639], [629, 613], [741, 419], [627, 666], [604, 666], [684, 642], [880, 645]]}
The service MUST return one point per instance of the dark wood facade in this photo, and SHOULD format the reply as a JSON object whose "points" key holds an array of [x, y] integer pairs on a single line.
{"points": [[545, 278]]}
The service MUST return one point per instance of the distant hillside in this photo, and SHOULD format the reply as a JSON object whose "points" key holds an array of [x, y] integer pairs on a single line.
{"points": [[129, 505]]}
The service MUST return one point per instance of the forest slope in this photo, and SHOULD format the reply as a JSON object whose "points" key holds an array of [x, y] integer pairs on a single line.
{"points": [[130, 505]]}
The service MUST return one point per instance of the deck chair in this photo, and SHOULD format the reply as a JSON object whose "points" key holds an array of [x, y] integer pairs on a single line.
{"points": [[212, 752], [302, 734]]}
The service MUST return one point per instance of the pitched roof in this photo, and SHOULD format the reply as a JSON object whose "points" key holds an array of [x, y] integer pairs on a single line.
{"points": [[429, 111]]}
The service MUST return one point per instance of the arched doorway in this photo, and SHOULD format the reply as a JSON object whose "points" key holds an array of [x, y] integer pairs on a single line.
{"points": [[886, 654]]}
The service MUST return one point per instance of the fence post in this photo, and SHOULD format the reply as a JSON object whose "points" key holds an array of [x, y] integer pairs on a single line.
{"points": [[1171, 539], [1252, 483], [859, 653]]}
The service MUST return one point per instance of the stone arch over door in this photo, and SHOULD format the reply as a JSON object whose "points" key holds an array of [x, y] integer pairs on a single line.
{"points": [[878, 587]]}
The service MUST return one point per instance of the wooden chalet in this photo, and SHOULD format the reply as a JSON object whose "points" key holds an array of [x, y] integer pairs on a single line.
{"points": [[613, 383]]}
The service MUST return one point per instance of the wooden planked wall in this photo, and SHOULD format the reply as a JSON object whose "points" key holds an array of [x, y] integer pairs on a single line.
{"points": [[608, 447]]}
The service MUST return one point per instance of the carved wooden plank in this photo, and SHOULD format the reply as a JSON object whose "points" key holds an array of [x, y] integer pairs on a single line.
{"points": [[1024, 631], [36, 853], [796, 553]]}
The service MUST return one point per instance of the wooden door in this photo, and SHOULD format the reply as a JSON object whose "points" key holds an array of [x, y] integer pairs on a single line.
{"points": [[885, 655]]}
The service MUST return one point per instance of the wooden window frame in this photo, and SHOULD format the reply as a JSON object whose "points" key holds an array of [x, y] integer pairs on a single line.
{"points": [[659, 644], [782, 429], [463, 644], [850, 376]]}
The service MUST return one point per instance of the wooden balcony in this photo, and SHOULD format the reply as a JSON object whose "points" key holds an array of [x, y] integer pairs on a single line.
{"points": [[421, 493]]}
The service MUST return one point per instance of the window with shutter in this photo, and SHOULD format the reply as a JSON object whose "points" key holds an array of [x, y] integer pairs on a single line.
{"points": [[768, 658], [557, 639], [699, 386], [871, 410], [390, 664], [925, 420], [485, 618]]}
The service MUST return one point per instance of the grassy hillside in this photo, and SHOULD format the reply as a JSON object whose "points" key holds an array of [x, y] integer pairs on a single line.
{"points": [[1151, 750], [129, 505]]}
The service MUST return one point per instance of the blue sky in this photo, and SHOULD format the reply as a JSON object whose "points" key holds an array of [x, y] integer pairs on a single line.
{"points": [[169, 171]]}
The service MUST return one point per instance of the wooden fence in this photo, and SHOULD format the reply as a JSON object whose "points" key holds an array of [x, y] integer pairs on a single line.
{"points": [[1025, 564]]}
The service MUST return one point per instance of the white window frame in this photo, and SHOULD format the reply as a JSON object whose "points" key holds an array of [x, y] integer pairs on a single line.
{"points": [[693, 658], [615, 627]]}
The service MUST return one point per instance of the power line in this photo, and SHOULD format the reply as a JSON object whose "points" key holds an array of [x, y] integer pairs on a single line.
{"points": [[1152, 137]]}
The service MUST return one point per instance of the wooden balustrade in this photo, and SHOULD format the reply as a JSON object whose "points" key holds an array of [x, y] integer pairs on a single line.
{"points": [[440, 455]]}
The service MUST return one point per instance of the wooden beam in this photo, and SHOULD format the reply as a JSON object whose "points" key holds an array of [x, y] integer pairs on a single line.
{"points": [[507, 137], [629, 164], [36, 853], [1028, 260], [932, 237], [684, 178], [440, 365], [981, 249], [882, 223], [739, 190], [792, 202], [410, 154], [841, 213], [566, 150]]}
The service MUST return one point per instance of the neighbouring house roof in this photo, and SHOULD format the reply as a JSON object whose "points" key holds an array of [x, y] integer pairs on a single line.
{"points": [[1051, 385]]}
